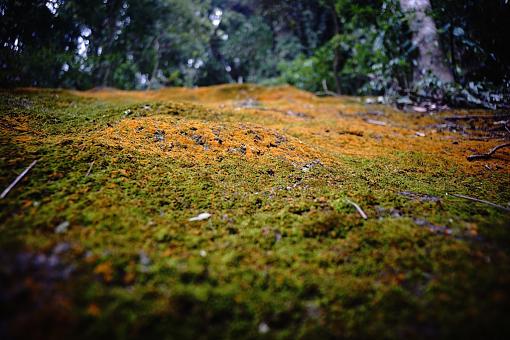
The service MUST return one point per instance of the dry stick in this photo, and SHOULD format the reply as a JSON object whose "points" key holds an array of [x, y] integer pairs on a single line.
{"points": [[481, 201], [477, 117], [19, 178], [270, 109], [488, 154], [90, 169], [327, 93], [375, 122], [358, 208], [326, 90]]}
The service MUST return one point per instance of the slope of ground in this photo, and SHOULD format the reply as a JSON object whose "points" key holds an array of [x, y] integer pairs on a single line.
{"points": [[97, 241]]}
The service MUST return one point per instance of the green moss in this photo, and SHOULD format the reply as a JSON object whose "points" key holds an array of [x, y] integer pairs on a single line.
{"points": [[282, 247]]}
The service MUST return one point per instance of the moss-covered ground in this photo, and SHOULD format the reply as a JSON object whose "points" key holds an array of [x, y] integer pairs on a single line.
{"points": [[96, 241]]}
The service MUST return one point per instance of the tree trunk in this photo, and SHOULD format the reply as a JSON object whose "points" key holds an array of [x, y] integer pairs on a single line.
{"points": [[110, 23], [425, 37], [338, 56], [155, 69]]}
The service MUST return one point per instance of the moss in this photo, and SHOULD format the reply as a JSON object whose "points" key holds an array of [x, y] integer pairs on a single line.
{"points": [[282, 248]]}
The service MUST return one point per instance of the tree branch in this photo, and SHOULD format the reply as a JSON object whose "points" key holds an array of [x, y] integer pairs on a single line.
{"points": [[19, 178], [488, 154], [358, 208], [481, 201], [477, 117]]}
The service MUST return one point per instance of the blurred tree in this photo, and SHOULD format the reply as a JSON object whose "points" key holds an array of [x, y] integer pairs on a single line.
{"points": [[425, 37], [351, 47], [35, 42]]}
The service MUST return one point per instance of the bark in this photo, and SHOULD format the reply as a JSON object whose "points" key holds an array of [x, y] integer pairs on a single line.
{"points": [[156, 64], [111, 20], [338, 56], [425, 37]]}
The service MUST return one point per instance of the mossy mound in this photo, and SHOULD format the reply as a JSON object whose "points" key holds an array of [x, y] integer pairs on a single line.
{"points": [[200, 140]]}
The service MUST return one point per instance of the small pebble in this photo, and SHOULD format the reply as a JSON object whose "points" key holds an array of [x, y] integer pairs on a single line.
{"points": [[263, 328], [144, 259], [61, 248], [62, 227]]}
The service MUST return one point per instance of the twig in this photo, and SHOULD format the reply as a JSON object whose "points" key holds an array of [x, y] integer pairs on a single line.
{"points": [[480, 201], [90, 169], [375, 122], [477, 117], [488, 154], [358, 208], [326, 91], [270, 109], [19, 178], [486, 139]]}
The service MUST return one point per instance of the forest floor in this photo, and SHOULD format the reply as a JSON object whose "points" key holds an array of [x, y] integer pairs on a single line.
{"points": [[98, 238]]}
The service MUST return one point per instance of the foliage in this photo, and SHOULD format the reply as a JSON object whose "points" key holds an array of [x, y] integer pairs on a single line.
{"points": [[352, 47]]}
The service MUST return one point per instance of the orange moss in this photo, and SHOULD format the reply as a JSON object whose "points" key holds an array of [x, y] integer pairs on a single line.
{"points": [[104, 270], [311, 127], [198, 140]]}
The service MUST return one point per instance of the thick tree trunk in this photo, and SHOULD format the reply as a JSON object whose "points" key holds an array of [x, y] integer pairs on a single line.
{"points": [[425, 37]]}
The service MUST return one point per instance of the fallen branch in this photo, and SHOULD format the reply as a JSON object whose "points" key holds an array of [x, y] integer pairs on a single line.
{"points": [[481, 201], [477, 117], [488, 154], [90, 169], [375, 122], [485, 139], [19, 178], [326, 91], [358, 208]]}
